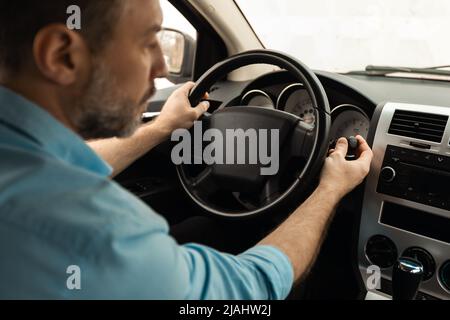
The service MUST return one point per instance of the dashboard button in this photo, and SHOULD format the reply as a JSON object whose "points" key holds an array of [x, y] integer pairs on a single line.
{"points": [[444, 275], [428, 158], [381, 251], [425, 258], [387, 174]]}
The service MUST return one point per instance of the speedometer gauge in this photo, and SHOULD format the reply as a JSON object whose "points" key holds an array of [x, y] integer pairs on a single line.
{"points": [[349, 120], [295, 99], [257, 98]]}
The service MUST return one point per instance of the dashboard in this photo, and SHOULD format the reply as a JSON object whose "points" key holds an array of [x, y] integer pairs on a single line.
{"points": [[404, 207], [348, 118]]}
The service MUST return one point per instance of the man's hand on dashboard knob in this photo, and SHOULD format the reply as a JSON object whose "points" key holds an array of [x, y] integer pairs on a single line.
{"points": [[341, 176]]}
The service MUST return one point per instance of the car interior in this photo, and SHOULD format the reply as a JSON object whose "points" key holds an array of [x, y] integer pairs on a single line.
{"points": [[401, 211]]}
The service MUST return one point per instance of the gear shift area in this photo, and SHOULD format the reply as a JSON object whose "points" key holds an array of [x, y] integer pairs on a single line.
{"points": [[407, 275]]}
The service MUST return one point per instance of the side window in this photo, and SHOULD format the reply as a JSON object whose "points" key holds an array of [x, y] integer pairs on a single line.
{"points": [[176, 41]]}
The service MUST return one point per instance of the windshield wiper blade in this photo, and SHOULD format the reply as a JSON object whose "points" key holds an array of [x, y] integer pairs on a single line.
{"points": [[387, 70], [439, 67]]}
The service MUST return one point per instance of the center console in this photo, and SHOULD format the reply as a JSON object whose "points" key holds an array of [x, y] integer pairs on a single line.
{"points": [[406, 206]]}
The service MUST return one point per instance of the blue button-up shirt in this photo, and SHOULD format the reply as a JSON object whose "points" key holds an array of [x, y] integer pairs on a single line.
{"points": [[68, 232]]}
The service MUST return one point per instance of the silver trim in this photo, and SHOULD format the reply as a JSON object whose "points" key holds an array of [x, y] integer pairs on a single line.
{"points": [[410, 266], [298, 84], [373, 201], [259, 92], [438, 271], [393, 173], [347, 105]]}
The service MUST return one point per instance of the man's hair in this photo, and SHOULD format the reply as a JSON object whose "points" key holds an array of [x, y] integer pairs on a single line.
{"points": [[21, 20]]}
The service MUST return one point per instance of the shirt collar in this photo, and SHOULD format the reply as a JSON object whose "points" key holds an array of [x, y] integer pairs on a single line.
{"points": [[43, 129]]}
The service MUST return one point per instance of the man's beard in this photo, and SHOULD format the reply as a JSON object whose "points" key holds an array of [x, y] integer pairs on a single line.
{"points": [[104, 110]]}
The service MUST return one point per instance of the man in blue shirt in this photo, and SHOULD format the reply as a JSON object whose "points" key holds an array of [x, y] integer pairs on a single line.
{"points": [[66, 230]]}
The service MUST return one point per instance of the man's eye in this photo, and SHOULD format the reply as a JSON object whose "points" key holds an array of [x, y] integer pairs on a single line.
{"points": [[152, 45]]}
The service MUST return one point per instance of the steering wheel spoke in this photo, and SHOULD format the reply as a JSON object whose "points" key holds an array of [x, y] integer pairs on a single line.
{"points": [[203, 182], [302, 141], [271, 190]]}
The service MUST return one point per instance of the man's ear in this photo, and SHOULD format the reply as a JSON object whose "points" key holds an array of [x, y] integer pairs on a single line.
{"points": [[61, 55]]}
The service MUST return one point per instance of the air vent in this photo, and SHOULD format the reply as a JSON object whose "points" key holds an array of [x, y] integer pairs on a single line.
{"points": [[418, 125]]}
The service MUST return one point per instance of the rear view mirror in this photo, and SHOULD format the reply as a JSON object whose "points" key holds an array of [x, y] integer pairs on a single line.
{"points": [[179, 52]]}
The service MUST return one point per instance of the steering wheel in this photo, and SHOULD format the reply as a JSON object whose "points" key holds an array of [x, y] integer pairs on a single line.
{"points": [[240, 190]]}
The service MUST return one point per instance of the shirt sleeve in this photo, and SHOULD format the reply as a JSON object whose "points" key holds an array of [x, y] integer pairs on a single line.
{"points": [[261, 273], [149, 264]]}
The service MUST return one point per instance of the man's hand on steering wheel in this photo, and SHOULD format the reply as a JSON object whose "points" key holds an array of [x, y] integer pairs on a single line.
{"points": [[178, 113]]}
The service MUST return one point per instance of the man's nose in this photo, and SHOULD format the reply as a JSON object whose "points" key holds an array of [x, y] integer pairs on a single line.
{"points": [[164, 72], [160, 69]]}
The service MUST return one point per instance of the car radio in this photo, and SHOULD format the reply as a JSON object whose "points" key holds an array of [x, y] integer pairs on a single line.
{"points": [[416, 176]]}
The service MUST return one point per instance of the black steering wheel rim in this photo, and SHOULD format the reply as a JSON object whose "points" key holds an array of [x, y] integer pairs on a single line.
{"points": [[319, 100]]}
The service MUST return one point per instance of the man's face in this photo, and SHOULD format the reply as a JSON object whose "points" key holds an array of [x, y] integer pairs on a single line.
{"points": [[122, 76]]}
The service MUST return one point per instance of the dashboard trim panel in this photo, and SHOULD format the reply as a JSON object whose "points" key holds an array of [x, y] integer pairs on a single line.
{"points": [[373, 201]]}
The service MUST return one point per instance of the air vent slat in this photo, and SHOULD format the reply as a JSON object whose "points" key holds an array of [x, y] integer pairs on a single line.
{"points": [[425, 124], [418, 125], [411, 127], [420, 115], [425, 121], [422, 136]]}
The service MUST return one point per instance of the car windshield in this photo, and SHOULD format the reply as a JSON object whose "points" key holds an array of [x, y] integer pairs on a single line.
{"points": [[348, 35]]}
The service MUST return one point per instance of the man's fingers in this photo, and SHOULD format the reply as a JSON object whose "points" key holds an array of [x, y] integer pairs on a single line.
{"points": [[366, 156], [362, 144], [341, 147], [201, 108], [364, 150], [186, 88], [365, 153]]}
